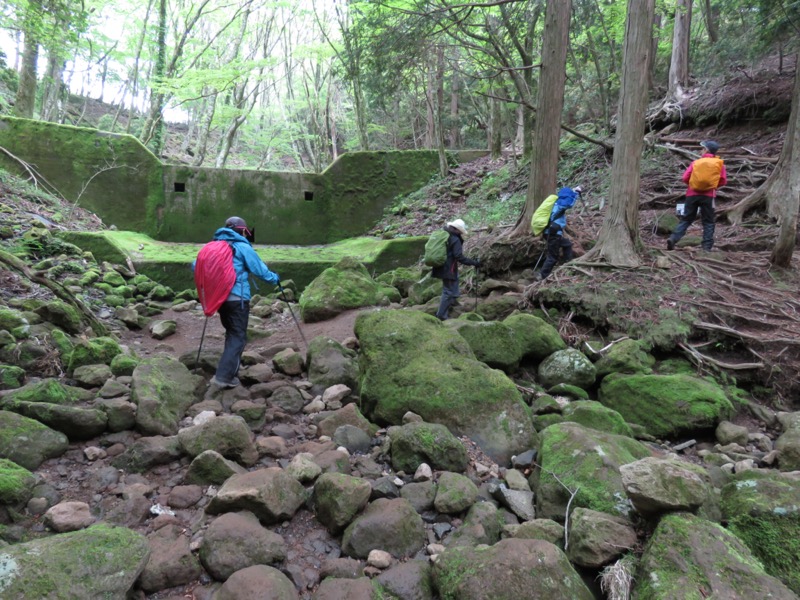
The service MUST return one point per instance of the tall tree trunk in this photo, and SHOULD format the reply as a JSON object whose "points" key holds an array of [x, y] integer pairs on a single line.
{"points": [[134, 75], [547, 132], [496, 129], [153, 133], [455, 130], [439, 111], [618, 241], [784, 189], [711, 22], [26, 90], [52, 92], [679, 64], [651, 72]]}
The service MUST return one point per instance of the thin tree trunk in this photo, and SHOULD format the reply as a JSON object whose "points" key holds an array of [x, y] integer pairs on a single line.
{"points": [[602, 80], [547, 132], [496, 130], [679, 64], [651, 72], [711, 22], [153, 132], [438, 111], [52, 91], [618, 241], [455, 135], [135, 69], [26, 90]]}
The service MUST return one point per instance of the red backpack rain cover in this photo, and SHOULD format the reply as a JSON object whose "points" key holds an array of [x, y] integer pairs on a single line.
{"points": [[214, 275]]}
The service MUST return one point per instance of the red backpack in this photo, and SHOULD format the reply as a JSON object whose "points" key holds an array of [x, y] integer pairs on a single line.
{"points": [[214, 275]]}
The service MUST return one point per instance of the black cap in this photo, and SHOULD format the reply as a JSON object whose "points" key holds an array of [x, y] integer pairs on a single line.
{"points": [[710, 145], [235, 223]]}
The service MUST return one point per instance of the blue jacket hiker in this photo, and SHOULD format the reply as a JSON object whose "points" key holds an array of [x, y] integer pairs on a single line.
{"points": [[557, 240], [448, 272], [235, 311]]}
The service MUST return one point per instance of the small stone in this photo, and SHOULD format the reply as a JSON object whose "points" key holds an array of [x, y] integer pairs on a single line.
{"points": [[336, 393], [94, 453], [204, 417], [744, 465], [411, 417], [398, 482], [315, 406], [481, 469], [433, 549], [379, 558], [423, 473]]}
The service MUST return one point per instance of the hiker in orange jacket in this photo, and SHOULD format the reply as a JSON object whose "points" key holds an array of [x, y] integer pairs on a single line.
{"points": [[703, 177]]}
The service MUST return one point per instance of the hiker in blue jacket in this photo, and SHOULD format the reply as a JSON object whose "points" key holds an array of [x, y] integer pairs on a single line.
{"points": [[235, 311], [557, 240], [448, 272]]}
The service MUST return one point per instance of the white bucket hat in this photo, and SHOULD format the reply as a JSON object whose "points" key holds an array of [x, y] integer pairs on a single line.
{"points": [[458, 224]]}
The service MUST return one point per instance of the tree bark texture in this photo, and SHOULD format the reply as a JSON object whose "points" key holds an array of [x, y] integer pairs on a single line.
{"points": [[547, 131], [711, 22], [679, 64], [784, 192], [26, 92], [618, 241]]}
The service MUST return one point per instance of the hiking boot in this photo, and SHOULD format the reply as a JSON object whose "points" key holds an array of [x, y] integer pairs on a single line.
{"points": [[226, 384], [670, 244], [537, 276]]}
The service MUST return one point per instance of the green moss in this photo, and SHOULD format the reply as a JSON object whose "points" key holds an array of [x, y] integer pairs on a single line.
{"points": [[15, 483]]}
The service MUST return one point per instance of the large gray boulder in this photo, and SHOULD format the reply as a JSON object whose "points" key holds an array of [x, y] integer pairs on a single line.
{"points": [[27, 442], [163, 389], [454, 493], [762, 508], [338, 498], [687, 553], [587, 461], [411, 362], [76, 422], [258, 582], [408, 581], [596, 538], [171, 563], [98, 562], [567, 366], [666, 405], [656, 485], [211, 468], [390, 525], [330, 363], [271, 494], [512, 568], [235, 541], [431, 443], [147, 452], [228, 435]]}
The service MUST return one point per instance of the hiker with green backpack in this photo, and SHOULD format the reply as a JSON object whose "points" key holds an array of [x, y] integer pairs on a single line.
{"points": [[443, 252], [550, 219], [702, 177]]}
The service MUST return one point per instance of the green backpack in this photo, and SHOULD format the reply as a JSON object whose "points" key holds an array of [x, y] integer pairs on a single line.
{"points": [[541, 217], [436, 249]]}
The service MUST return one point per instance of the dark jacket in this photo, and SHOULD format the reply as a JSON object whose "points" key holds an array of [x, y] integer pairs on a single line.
{"points": [[449, 270]]}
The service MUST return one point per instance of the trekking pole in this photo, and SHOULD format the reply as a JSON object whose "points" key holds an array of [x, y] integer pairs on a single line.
{"points": [[536, 266], [291, 312], [200, 347], [476, 289]]}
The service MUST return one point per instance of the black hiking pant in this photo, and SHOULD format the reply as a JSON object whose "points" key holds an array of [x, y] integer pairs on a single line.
{"points": [[556, 244], [705, 204]]}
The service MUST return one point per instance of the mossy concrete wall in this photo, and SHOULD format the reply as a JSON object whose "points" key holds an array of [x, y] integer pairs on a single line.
{"points": [[112, 175], [122, 182], [344, 201], [170, 263]]}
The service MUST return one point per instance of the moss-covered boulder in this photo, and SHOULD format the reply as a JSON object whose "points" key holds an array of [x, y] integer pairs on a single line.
{"points": [[163, 388], [691, 558], [11, 377], [585, 460], [596, 416], [100, 350], [257, 581], [77, 423], [455, 493], [62, 315], [123, 364], [211, 468], [345, 286], [27, 442], [16, 484], [12, 319], [763, 509], [401, 278], [512, 568], [568, 366], [411, 362], [492, 342], [424, 290], [537, 337], [666, 405], [657, 485], [431, 443], [330, 363], [347, 415], [338, 498], [228, 435], [98, 562], [626, 356], [390, 525], [597, 538], [50, 391]]}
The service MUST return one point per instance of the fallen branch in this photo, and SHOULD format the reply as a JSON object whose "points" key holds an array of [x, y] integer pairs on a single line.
{"points": [[15, 264], [702, 359], [745, 336]]}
